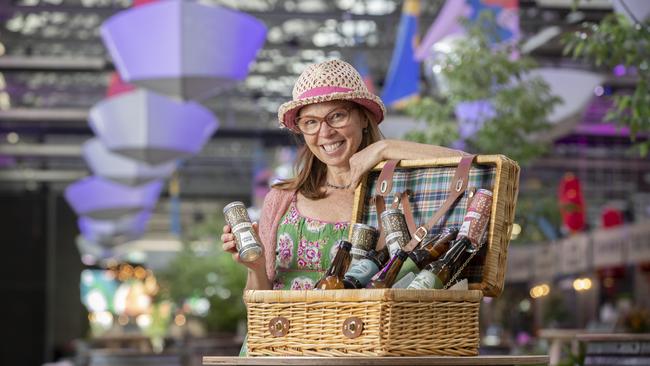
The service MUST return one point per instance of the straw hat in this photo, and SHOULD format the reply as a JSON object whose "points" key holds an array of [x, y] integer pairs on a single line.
{"points": [[329, 80]]}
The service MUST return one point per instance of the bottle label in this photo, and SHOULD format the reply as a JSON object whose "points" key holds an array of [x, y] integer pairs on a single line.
{"points": [[393, 236], [363, 270], [407, 267], [476, 219], [464, 228], [393, 248], [247, 238], [358, 252], [473, 215], [241, 226], [426, 280]]}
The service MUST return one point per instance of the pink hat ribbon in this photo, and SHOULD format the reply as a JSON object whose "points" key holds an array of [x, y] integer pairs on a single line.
{"points": [[323, 90]]}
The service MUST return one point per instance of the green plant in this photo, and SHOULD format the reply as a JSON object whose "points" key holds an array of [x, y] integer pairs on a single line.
{"points": [[537, 213], [617, 41], [477, 71], [203, 270], [555, 312], [572, 358]]}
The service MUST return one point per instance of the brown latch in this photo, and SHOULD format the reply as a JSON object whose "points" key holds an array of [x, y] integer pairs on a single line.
{"points": [[352, 327], [279, 326]]}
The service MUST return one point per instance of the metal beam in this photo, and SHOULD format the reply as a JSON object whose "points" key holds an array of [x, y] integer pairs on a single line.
{"points": [[41, 150], [33, 175], [54, 63], [45, 114]]}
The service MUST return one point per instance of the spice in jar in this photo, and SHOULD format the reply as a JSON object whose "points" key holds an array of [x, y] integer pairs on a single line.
{"points": [[363, 238], [395, 229], [248, 243]]}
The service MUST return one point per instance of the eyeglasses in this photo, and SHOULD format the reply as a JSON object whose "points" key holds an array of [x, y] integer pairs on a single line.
{"points": [[337, 118]]}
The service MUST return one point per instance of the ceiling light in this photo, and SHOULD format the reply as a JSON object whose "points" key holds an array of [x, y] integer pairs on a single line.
{"points": [[13, 138]]}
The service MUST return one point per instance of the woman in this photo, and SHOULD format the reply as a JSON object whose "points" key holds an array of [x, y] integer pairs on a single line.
{"points": [[304, 216]]}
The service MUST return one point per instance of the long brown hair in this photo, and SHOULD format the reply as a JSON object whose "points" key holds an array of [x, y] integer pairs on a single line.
{"points": [[311, 171]]}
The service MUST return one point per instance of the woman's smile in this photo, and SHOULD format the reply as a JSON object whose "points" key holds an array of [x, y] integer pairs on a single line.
{"points": [[333, 148]]}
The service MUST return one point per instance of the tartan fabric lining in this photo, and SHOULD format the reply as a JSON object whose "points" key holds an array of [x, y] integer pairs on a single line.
{"points": [[430, 186]]}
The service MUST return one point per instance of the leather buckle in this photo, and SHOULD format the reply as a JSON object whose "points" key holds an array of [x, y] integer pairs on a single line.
{"points": [[383, 186], [418, 235], [459, 185]]}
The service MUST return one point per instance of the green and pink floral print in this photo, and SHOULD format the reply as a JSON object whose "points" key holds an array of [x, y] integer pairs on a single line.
{"points": [[305, 249]]}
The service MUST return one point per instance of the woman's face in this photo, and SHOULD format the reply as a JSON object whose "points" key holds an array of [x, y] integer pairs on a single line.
{"points": [[334, 146]]}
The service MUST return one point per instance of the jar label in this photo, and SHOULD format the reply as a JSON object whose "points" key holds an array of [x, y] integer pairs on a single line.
{"points": [[247, 239]]}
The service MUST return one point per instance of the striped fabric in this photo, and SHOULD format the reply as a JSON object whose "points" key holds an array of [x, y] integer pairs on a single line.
{"points": [[430, 186]]}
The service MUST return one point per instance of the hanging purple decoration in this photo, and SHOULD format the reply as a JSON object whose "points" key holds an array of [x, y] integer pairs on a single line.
{"points": [[102, 199], [181, 48], [150, 127], [121, 169], [113, 232]]}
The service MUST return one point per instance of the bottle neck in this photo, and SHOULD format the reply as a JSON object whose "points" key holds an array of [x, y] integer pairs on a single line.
{"points": [[393, 267], [340, 263], [457, 248]]}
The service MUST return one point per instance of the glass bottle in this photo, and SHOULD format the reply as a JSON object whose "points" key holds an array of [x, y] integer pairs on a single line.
{"points": [[387, 276], [436, 274], [362, 271], [333, 277], [434, 249]]}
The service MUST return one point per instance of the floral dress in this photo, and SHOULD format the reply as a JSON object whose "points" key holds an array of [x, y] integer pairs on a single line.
{"points": [[305, 249]]}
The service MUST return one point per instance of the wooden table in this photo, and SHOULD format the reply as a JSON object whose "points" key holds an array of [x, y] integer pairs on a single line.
{"points": [[616, 349], [377, 361], [557, 339]]}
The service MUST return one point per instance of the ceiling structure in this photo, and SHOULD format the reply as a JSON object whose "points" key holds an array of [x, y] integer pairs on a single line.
{"points": [[54, 68]]}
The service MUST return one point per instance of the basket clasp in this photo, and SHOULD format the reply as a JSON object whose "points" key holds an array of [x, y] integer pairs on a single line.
{"points": [[352, 327], [279, 326]]}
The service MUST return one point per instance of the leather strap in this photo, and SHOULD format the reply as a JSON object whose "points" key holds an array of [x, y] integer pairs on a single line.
{"points": [[380, 205], [383, 188], [456, 189], [408, 212], [385, 180]]}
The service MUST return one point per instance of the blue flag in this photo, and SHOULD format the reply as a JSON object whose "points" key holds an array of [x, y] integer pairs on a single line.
{"points": [[361, 64], [403, 76]]}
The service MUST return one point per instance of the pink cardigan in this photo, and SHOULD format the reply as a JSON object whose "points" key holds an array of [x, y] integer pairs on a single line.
{"points": [[275, 206]]}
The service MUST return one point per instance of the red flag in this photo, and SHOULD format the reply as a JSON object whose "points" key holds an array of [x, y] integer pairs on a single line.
{"points": [[572, 205], [611, 217]]}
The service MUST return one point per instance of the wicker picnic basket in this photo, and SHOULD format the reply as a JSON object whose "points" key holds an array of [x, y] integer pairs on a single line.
{"points": [[397, 322]]}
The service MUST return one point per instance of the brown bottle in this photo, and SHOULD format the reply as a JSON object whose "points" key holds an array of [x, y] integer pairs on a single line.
{"points": [[434, 249], [387, 276], [438, 273], [333, 278]]}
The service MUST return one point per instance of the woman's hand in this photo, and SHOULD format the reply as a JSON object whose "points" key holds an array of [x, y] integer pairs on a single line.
{"points": [[229, 245], [364, 160]]}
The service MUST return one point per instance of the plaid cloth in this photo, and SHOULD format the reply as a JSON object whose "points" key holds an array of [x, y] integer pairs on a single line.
{"points": [[430, 186]]}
